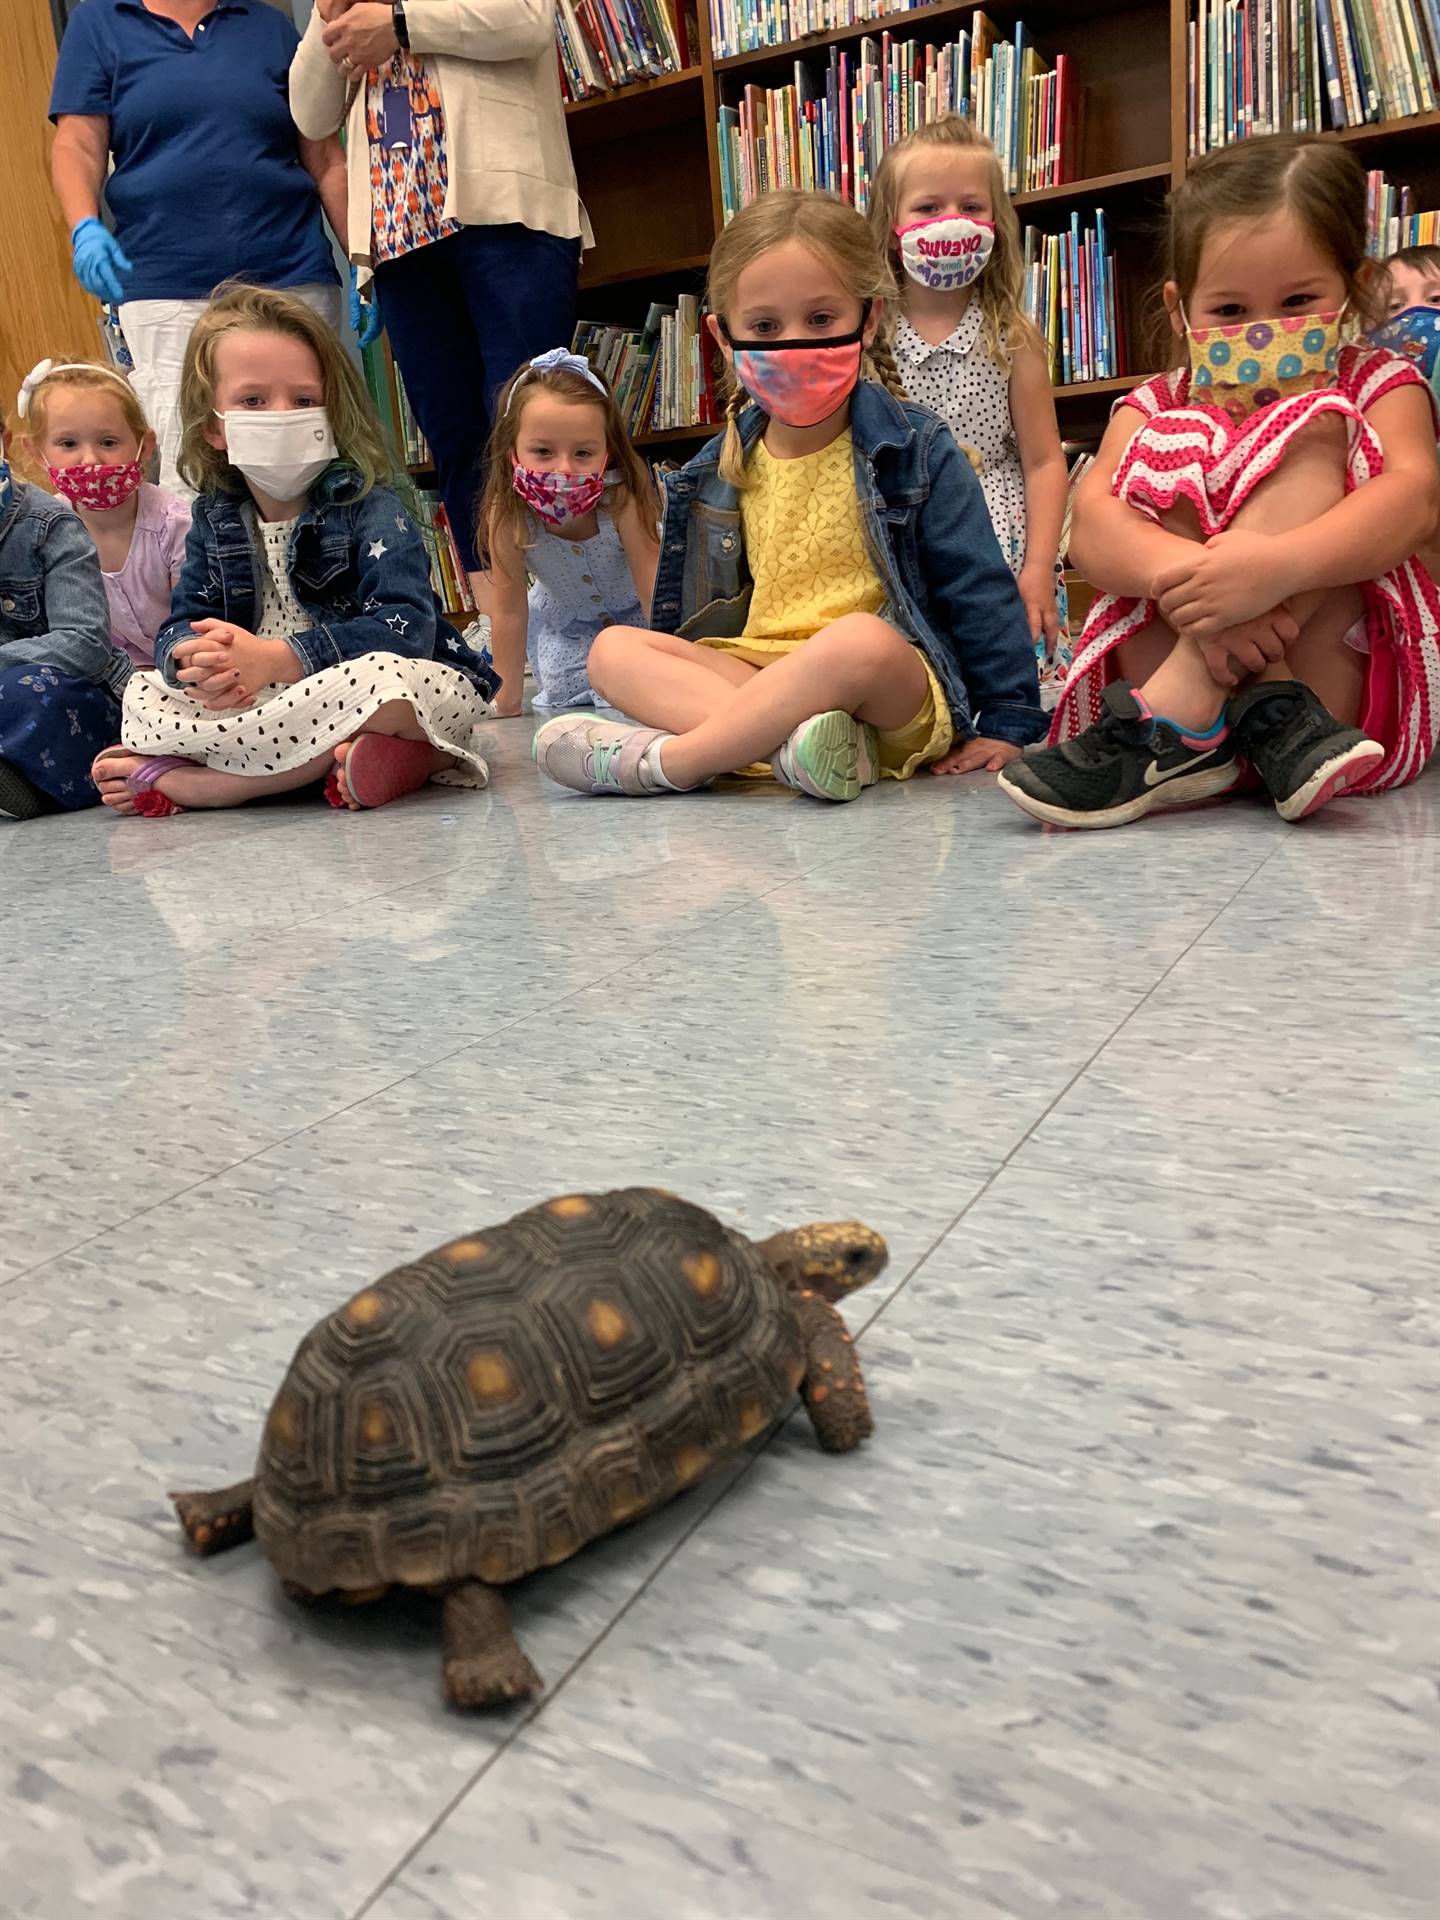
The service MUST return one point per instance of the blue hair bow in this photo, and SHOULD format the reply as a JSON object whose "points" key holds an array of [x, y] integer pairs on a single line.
{"points": [[561, 360]]}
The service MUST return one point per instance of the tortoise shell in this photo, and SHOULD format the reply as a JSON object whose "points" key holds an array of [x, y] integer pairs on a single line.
{"points": [[494, 1406]]}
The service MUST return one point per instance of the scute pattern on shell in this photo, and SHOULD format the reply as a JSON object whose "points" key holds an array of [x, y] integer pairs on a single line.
{"points": [[513, 1395]]}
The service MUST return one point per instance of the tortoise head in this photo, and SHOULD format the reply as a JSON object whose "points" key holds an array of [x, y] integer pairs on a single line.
{"points": [[833, 1257]]}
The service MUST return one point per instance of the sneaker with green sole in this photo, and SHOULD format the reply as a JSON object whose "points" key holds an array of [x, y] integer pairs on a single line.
{"points": [[832, 756], [590, 755]]}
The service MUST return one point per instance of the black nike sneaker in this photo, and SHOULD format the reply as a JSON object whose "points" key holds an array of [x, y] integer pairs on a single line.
{"points": [[1120, 768], [1297, 746]]}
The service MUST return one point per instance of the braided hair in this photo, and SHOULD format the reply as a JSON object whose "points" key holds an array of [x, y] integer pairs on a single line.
{"points": [[835, 233]]}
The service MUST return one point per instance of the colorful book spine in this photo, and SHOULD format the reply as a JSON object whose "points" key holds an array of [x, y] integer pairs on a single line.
{"points": [[607, 44], [1071, 296]]}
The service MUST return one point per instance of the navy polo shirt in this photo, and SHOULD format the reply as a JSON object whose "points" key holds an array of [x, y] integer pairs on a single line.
{"points": [[207, 180]]}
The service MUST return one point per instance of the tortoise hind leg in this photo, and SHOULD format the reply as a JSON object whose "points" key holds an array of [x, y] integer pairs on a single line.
{"points": [[833, 1388], [214, 1521], [484, 1664]]}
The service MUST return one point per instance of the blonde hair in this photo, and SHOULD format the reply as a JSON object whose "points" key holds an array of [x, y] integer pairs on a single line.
{"points": [[1000, 288], [77, 375], [500, 505], [236, 308], [838, 236]]}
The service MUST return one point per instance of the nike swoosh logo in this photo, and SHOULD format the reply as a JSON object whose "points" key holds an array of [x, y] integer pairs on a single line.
{"points": [[1156, 776]]}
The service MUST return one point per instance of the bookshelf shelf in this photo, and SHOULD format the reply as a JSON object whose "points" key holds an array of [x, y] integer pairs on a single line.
{"points": [[666, 435], [1381, 132], [1097, 389], [650, 270], [659, 83], [1098, 186], [903, 21], [642, 108]]}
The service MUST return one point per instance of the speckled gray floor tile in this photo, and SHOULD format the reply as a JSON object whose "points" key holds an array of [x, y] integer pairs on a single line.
{"points": [[1128, 1612]]}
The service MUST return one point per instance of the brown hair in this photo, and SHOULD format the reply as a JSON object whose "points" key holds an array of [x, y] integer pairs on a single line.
{"points": [[1000, 288], [1322, 184], [1424, 259], [500, 505], [237, 308], [90, 376], [837, 235]]}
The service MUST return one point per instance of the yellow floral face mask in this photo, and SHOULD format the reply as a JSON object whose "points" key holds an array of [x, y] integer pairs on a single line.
{"points": [[1257, 362]]}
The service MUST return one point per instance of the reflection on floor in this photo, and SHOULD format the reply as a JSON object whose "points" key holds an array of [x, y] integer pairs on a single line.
{"points": [[1125, 1610]]}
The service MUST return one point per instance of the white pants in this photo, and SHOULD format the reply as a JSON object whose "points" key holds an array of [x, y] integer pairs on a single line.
{"points": [[157, 333]]}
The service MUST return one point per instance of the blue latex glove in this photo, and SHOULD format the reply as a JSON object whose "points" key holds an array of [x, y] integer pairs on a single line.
{"points": [[98, 261], [364, 314]]}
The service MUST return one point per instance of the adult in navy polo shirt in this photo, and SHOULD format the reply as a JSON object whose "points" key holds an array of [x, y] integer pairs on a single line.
{"points": [[189, 98]]}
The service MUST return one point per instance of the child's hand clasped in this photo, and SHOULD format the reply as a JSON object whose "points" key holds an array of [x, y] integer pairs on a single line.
{"points": [[225, 666], [1234, 577]]}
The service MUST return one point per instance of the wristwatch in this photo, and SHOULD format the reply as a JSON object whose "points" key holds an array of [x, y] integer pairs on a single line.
{"points": [[401, 30]]}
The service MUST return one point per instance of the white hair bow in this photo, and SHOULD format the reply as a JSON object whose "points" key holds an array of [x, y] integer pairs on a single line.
{"points": [[42, 370]]}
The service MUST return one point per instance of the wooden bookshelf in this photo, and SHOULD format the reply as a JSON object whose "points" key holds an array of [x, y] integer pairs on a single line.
{"points": [[656, 210]]}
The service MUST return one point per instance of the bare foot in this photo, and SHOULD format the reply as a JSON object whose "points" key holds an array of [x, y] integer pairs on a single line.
{"points": [[439, 762], [111, 771]]}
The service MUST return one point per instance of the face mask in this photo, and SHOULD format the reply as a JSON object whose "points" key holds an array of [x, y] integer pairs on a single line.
{"points": [[96, 487], [947, 253], [7, 491], [1415, 335], [799, 382], [281, 453], [1251, 365], [557, 497]]}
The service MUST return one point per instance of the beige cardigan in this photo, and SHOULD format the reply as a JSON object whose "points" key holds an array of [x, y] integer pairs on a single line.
{"points": [[494, 64]]}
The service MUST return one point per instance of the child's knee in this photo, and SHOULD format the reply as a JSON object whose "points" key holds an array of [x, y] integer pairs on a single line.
{"points": [[863, 645], [609, 650]]}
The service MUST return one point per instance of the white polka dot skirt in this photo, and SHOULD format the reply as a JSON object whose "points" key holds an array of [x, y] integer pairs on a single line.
{"points": [[288, 726]]}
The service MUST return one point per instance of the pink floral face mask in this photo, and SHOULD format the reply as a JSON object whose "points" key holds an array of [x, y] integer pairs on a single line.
{"points": [[557, 497], [95, 487], [799, 382]]}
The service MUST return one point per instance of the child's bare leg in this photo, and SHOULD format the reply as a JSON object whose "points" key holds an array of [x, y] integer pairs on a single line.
{"points": [[197, 786], [661, 680], [857, 664], [1308, 482], [399, 720]]}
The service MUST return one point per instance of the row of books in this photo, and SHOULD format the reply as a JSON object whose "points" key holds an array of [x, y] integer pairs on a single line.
{"points": [[604, 44], [829, 126], [447, 574], [1070, 294], [1393, 220], [745, 26], [661, 374], [1302, 66]]}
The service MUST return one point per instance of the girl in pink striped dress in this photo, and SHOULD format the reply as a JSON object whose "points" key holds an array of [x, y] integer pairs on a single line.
{"points": [[1253, 518]]}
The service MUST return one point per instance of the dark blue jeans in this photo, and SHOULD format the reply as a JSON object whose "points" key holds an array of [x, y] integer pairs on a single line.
{"points": [[52, 727], [462, 315]]}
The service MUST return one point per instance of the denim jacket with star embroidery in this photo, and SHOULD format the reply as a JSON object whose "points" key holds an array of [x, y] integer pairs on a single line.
{"points": [[53, 610], [930, 542], [358, 568]]}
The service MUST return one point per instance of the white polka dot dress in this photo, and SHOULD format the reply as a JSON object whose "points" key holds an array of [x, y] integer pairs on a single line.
{"points": [[288, 726], [971, 393]]}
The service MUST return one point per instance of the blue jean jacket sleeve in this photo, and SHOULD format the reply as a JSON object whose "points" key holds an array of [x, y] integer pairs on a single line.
{"points": [[76, 638], [977, 601], [393, 588], [198, 596]]}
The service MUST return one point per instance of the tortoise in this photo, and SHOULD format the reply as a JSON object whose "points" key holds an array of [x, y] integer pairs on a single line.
{"points": [[496, 1405]]}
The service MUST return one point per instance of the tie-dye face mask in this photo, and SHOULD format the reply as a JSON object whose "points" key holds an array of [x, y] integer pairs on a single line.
{"points": [[800, 382], [1414, 334], [1251, 365]]}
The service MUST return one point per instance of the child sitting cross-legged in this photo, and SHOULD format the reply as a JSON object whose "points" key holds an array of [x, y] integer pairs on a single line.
{"points": [[831, 594], [304, 644]]}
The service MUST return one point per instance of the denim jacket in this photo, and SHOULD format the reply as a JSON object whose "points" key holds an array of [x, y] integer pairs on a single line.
{"points": [[931, 544], [53, 610], [358, 567]]}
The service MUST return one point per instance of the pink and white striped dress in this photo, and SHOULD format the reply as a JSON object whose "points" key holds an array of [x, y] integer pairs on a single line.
{"points": [[1191, 452]]}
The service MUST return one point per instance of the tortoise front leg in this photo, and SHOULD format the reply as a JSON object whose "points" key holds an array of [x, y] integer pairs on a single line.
{"points": [[214, 1521], [833, 1389], [484, 1665]]}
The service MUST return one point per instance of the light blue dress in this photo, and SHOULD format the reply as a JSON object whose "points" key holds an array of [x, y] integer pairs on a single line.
{"points": [[578, 587]]}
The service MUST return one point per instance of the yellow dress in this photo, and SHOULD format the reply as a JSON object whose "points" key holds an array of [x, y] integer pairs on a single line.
{"points": [[805, 544]]}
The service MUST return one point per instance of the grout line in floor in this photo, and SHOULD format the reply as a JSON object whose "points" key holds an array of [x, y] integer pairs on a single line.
{"points": [[552, 1694]]}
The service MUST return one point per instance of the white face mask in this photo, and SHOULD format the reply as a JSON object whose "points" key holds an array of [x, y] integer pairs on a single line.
{"points": [[281, 453], [946, 253]]}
